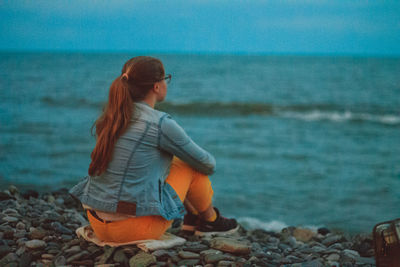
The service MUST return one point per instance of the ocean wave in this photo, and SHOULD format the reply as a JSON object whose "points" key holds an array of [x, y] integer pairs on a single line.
{"points": [[341, 116], [306, 112], [217, 108], [70, 102]]}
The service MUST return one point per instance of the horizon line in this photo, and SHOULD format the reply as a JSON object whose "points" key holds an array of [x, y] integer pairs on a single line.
{"points": [[203, 52]]}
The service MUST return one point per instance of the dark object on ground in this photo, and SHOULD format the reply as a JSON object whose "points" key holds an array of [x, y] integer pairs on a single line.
{"points": [[387, 243], [323, 231], [30, 193]]}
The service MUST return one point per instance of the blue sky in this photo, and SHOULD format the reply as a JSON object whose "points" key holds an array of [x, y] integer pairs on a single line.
{"points": [[218, 26]]}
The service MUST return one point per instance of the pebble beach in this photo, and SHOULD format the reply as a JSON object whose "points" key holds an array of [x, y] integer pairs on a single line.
{"points": [[39, 230]]}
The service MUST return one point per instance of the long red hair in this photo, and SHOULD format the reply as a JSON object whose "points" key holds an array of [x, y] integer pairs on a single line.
{"points": [[137, 78]]}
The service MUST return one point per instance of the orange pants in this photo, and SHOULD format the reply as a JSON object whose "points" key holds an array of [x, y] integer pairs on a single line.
{"points": [[188, 183]]}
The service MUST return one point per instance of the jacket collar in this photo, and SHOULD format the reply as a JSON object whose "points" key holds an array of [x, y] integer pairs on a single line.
{"points": [[143, 104]]}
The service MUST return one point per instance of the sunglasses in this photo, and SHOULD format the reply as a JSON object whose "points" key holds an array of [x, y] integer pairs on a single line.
{"points": [[167, 78]]}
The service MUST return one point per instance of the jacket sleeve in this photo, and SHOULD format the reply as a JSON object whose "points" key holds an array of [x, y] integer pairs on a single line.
{"points": [[175, 140]]}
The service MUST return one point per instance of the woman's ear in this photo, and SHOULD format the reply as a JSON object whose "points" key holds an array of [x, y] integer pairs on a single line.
{"points": [[156, 88]]}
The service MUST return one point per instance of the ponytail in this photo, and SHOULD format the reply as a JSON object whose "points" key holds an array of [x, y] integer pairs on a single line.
{"points": [[111, 125]]}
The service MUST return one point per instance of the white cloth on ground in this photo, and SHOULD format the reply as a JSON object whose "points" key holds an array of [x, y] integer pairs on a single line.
{"points": [[166, 241]]}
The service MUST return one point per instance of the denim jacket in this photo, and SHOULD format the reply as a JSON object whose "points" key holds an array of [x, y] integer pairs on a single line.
{"points": [[134, 181]]}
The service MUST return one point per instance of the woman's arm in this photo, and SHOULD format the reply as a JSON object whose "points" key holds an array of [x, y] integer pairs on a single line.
{"points": [[175, 140]]}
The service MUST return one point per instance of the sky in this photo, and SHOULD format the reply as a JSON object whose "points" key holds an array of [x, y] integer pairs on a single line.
{"points": [[207, 26]]}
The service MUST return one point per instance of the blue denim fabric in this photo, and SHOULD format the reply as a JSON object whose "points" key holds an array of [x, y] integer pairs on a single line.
{"points": [[140, 164]]}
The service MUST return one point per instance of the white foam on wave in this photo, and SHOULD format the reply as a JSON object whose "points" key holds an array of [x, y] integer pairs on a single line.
{"points": [[342, 116], [253, 223], [274, 226]]}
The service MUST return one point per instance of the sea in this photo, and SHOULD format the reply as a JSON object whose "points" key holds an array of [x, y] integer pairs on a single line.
{"points": [[300, 140]]}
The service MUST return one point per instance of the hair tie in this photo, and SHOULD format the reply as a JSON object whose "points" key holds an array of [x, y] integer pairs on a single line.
{"points": [[124, 77]]}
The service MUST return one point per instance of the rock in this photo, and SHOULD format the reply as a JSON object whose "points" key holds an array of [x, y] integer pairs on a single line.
{"points": [[120, 257], [25, 259], [47, 256], [130, 251], [174, 257], [338, 246], [303, 235], [53, 251], [351, 253], [188, 262], [333, 257], [60, 261], [313, 263], [20, 251], [11, 211], [365, 260], [83, 244], [293, 258], [225, 263], [160, 253], [74, 242], [73, 250], [59, 201], [214, 258], [230, 245], [87, 262], [10, 219], [209, 251], [108, 252], [51, 216], [142, 259], [20, 234], [194, 247], [273, 255], [46, 262], [292, 241], [35, 244], [60, 228], [9, 258], [332, 239], [66, 237], [80, 256], [51, 199], [188, 255], [333, 264], [37, 233], [4, 250], [20, 226], [95, 251], [13, 189]]}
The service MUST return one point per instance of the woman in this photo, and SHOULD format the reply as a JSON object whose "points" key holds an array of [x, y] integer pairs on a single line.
{"points": [[144, 166]]}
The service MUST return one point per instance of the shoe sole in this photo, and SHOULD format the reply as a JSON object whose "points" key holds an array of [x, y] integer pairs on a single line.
{"points": [[189, 228], [209, 234]]}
